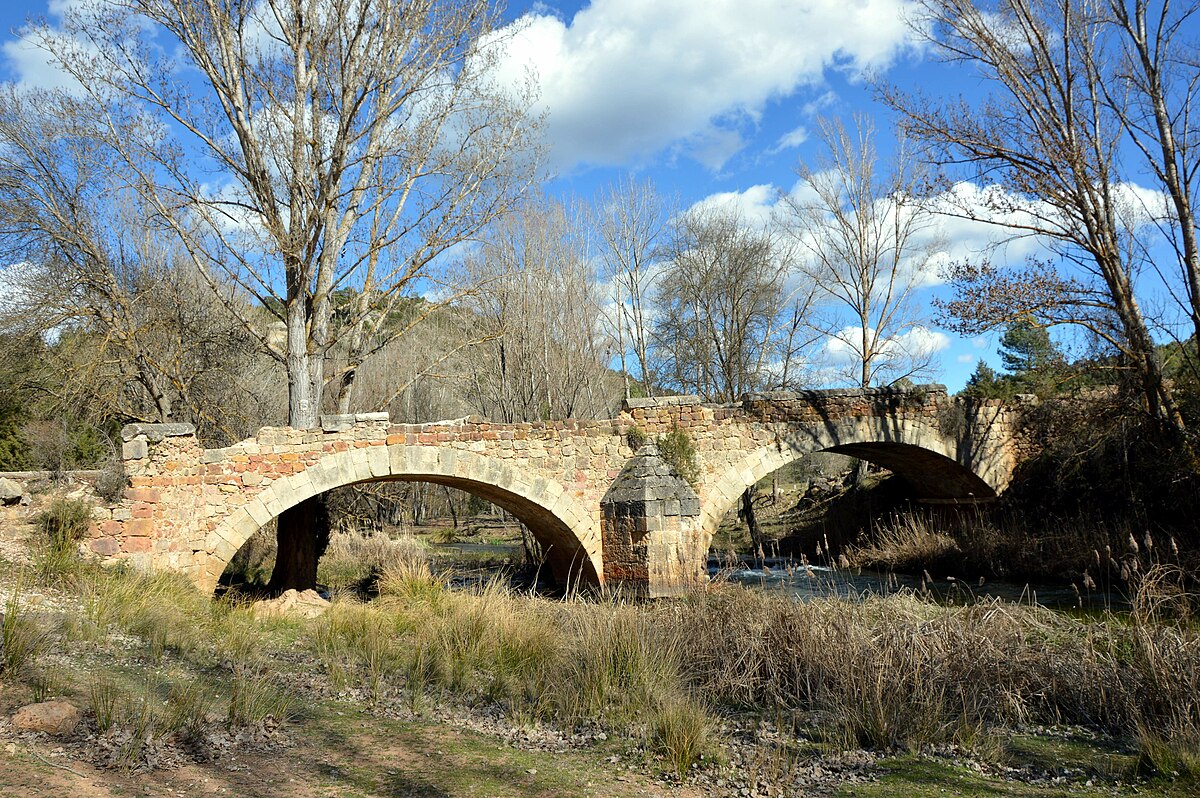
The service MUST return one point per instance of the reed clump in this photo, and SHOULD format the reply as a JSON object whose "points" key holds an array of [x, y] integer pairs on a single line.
{"points": [[356, 562]]}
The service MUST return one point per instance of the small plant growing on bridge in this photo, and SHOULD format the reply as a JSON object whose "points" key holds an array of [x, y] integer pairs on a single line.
{"points": [[952, 419], [63, 524], [677, 449], [636, 437]]}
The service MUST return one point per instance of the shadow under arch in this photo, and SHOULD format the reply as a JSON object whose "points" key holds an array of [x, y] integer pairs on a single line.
{"points": [[565, 530]]}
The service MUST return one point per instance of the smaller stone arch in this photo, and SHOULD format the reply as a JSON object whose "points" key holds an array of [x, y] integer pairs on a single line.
{"points": [[568, 533], [939, 467]]}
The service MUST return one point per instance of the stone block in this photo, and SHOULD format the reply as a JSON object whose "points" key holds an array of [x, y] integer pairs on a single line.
{"points": [[105, 547], [142, 527], [136, 544], [377, 457], [156, 432], [337, 423], [257, 510], [210, 456], [136, 449]]}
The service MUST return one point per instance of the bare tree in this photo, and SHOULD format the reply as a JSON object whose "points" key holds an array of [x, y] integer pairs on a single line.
{"points": [[537, 304], [324, 145], [357, 140], [1154, 92], [728, 309], [869, 240], [1045, 142], [724, 306], [150, 338], [631, 221]]}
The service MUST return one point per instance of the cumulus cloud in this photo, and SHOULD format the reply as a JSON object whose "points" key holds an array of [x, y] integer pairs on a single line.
{"points": [[624, 80], [754, 205], [31, 65]]}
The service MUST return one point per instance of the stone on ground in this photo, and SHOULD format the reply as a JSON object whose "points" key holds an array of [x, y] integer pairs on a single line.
{"points": [[306, 604], [10, 492], [50, 717]]}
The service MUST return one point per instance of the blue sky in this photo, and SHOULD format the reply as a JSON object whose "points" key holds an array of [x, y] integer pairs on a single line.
{"points": [[704, 97]]}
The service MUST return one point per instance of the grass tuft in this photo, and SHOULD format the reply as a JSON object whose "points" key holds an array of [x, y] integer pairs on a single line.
{"points": [[20, 639], [681, 732]]}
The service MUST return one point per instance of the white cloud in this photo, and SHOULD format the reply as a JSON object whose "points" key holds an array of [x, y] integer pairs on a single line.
{"points": [[625, 80], [968, 226], [33, 67], [30, 64], [965, 359], [755, 205], [791, 139], [917, 342]]}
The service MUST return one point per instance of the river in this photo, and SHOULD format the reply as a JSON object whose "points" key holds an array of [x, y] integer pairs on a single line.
{"points": [[788, 576], [783, 575]]}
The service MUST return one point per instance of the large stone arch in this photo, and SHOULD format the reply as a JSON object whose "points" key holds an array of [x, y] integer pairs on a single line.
{"points": [[568, 533], [938, 466]]}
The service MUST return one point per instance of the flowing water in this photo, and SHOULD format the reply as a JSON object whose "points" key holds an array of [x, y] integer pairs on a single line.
{"points": [[791, 577]]}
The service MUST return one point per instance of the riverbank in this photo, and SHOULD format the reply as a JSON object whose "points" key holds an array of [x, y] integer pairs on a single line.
{"points": [[723, 692]]}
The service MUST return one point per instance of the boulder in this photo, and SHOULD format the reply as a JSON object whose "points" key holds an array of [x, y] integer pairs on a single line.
{"points": [[49, 717], [11, 492], [306, 604]]}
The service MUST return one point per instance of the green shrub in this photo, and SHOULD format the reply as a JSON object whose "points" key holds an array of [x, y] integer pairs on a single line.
{"points": [[64, 524], [677, 449], [444, 535], [636, 437], [356, 562], [681, 732]]}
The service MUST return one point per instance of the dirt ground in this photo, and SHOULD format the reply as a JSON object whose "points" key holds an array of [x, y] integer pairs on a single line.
{"points": [[376, 759]]}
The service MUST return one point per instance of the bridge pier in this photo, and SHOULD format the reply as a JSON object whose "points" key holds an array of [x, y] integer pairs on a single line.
{"points": [[650, 529]]}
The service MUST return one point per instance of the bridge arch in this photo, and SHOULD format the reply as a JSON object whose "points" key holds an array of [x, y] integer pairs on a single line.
{"points": [[567, 532], [938, 466]]}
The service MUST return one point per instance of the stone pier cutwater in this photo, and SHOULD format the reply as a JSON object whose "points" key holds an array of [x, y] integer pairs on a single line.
{"points": [[604, 514]]}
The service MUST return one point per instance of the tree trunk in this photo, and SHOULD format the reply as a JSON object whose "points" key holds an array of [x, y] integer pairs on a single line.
{"points": [[752, 522], [859, 475], [302, 531], [302, 535], [450, 505]]}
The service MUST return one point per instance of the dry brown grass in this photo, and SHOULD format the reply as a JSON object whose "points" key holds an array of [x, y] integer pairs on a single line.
{"points": [[356, 562], [891, 672]]}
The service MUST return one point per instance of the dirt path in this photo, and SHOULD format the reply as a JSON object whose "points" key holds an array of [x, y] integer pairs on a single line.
{"points": [[360, 757]]}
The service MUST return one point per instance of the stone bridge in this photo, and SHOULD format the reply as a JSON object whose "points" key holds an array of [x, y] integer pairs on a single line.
{"points": [[604, 513]]}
